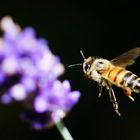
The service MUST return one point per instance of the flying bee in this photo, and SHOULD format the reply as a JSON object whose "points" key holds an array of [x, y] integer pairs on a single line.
{"points": [[113, 72]]}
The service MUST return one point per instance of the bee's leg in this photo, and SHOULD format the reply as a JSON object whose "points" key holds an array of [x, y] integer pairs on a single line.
{"points": [[127, 92], [100, 88], [113, 99]]}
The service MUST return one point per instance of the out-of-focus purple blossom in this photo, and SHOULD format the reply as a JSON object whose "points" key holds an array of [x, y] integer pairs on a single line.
{"points": [[29, 73]]}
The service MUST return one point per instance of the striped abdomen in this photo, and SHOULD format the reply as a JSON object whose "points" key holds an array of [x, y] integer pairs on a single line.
{"points": [[124, 78]]}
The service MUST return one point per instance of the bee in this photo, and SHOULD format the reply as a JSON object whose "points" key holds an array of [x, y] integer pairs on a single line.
{"points": [[113, 72]]}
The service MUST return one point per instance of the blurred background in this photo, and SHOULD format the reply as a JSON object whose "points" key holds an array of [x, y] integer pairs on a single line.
{"points": [[104, 29]]}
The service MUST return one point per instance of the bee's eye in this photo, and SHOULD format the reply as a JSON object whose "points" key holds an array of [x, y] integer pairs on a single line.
{"points": [[87, 66]]}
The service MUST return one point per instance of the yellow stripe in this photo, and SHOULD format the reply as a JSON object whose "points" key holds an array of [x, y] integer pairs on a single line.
{"points": [[112, 73], [116, 74], [120, 77]]}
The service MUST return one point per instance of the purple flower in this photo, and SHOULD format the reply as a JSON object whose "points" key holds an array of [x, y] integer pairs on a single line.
{"points": [[29, 73]]}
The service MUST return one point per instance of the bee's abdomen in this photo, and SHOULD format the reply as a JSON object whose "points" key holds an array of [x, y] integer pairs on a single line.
{"points": [[116, 75], [124, 78]]}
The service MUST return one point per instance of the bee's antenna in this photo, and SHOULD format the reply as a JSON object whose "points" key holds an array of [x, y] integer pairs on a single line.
{"points": [[79, 64], [81, 52]]}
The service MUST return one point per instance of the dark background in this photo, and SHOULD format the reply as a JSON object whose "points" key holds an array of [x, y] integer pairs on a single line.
{"points": [[105, 29]]}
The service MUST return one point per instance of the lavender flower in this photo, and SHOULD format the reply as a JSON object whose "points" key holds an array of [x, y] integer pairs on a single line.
{"points": [[29, 73]]}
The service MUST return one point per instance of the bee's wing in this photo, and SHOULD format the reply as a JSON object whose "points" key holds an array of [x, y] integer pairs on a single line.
{"points": [[127, 58]]}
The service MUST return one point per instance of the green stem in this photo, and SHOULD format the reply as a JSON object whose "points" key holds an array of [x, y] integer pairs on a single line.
{"points": [[64, 131]]}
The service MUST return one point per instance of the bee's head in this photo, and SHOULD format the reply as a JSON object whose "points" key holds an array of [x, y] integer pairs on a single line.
{"points": [[88, 63], [93, 64]]}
